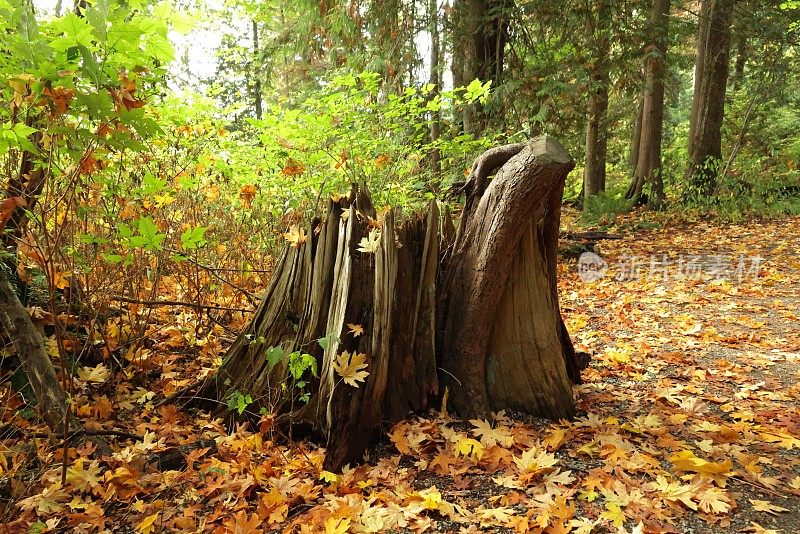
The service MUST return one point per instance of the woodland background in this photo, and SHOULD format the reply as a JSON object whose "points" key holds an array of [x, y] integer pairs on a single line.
{"points": [[145, 206]]}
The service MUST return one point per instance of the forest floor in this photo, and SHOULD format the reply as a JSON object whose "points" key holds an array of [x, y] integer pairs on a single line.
{"points": [[688, 421]]}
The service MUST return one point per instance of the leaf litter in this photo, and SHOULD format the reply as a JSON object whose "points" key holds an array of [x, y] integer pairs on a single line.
{"points": [[688, 421]]}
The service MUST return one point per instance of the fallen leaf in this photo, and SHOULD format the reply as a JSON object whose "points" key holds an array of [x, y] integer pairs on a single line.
{"points": [[351, 367], [355, 329], [768, 507]]}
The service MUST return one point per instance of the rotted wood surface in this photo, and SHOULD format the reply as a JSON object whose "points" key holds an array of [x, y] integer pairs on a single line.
{"points": [[474, 309], [477, 308]]}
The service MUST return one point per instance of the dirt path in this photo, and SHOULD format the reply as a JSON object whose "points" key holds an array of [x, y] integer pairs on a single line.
{"points": [[711, 343]]}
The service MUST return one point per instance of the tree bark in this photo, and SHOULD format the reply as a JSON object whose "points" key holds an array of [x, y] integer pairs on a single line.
{"points": [[480, 303], [708, 104], [633, 157], [483, 35], [703, 22], [741, 57], [648, 165], [256, 71], [594, 175], [30, 348], [502, 262], [435, 80]]}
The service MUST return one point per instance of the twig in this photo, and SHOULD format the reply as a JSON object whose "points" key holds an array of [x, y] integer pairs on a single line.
{"points": [[250, 297], [759, 486], [14, 431], [122, 298], [179, 393]]}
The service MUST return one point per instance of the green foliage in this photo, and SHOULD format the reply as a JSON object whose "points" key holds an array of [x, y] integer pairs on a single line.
{"points": [[346, 133], [238, 401], [274, 355], [603, 209], [299, 363]]}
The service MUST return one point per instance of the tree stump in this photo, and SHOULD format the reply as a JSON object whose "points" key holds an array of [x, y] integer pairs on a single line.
{"points": [[475, 311]]}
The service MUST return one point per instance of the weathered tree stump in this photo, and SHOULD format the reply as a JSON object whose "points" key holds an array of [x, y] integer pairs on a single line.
{"points": [[475, 310]]}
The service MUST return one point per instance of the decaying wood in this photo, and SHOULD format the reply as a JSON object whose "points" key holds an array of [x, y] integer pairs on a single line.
{"points": [[523, 201], [50, 397], [478, 304]]}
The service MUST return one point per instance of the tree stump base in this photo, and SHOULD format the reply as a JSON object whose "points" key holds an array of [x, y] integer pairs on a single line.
{"points": [[475, 312]]}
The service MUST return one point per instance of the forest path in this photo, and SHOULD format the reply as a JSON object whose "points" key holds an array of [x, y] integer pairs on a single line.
{"points": [[698, 325]]}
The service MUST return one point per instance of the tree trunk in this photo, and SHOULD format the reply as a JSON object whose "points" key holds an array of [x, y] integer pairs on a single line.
{"points": [[486, 313], [22, 192], [483, 35], [741, 57], [507, 240], [50, 397], [594, 174], [256, 71], [633, 157], [648, 165], [708, 104], [435, 80], [455, 29]]}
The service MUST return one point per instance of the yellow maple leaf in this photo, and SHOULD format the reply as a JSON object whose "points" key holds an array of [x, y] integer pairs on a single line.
{"points": [[432, 498], [49, 501], [85, 479], [675, 491], [147, 524], [785, 440], [469, 447], [355, 329], [687, 461], [327, 476], [492, 436], [335, 525], [97, 374], [296, 236], [371, 243], [535, 459], [489, 517], [755, 528], [61, 279], [715, 501], [766, 506], [351, 367], [555, 439], [613, 513], [583, 525]]}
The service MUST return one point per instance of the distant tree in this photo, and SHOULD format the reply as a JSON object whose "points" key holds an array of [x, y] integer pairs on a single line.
{"points": [[594, 174], [480, 37], [708, 102], [651, 115]]}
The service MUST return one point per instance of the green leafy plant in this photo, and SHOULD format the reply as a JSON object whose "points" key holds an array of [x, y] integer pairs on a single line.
{"points": [[238, 401]]}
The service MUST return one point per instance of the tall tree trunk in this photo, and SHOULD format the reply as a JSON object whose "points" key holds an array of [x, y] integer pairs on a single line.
{"points": [[703, 22], [482, 305], [483, 33], [708, 109], [648, 166], [636, 138], [455, 29], [257, 99], [435, 80], [741, 57], [594, 174]]}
